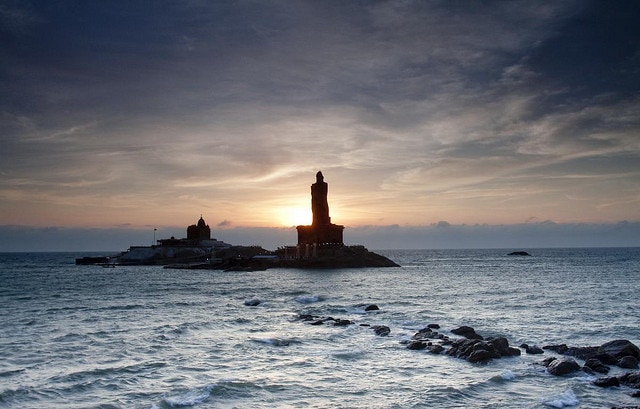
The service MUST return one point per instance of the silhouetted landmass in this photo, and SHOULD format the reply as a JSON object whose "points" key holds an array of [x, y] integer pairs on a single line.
{"points": [[320, 245], [339, 257], [519, 253]]}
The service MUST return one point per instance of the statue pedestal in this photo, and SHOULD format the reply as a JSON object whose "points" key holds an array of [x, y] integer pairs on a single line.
{"points": [[323, 234]]}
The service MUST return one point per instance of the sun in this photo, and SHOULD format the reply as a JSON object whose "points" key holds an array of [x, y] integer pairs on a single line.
{"points": [[295, 216]]}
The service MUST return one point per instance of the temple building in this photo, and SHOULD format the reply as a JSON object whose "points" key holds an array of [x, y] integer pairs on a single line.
{"points": [[198, 235], [201, 231], [322, 231]]}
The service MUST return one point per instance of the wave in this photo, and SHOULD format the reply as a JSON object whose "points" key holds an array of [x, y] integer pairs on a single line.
{"points": [[567, 398], [277, 342], [6, 374], [189, 398], [224, 389], [309, 299], [100, 373], [506, 375]]}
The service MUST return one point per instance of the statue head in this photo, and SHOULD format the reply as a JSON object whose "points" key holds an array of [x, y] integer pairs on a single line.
{"points": [[319, 177]]}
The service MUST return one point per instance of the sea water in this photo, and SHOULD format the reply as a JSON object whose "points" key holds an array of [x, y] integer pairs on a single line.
{"points": [[148, 337]]}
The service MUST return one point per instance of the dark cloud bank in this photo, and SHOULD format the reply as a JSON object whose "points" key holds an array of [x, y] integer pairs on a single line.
{"points": [[440, 235]]}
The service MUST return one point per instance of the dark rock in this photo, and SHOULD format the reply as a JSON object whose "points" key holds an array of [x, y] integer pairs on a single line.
{"points": [[476, 350], [462, 348], [620, 348], [435, 349], [587, 370], [582, 352], [628, 362], [480, 355], [466, 332], [532, 349], [336, 256], [547, 361], [561, 349], [519, 253], [564, 366], [416, 345], [341, 323], [596, 366], [433, 326], [252, 302], [606, 359], [381, 330], [619, 352], [372, 307], [425, 333], [607, 382], [320, 321], [631, 379], [500, 347]]}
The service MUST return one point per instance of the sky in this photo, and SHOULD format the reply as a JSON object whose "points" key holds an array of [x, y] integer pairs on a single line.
{"points": [[436, 124]]}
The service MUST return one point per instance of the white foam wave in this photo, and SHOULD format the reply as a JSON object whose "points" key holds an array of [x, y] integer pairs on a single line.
{"points": [[508, 375], [189, 398], [568, 398], [356, 310]]}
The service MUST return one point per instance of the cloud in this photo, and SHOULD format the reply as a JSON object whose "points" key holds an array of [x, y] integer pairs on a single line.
{"points": [[224, 223], [417, 111]]}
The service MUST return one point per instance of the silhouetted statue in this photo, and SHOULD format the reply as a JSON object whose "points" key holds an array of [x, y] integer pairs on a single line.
{"points": [[321, 232], [319, 204]]}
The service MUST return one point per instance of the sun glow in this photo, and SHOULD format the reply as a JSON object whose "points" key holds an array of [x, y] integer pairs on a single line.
{"points": [[295, 216]]}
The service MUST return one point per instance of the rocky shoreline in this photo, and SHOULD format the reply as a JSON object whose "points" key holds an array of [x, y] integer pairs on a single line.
{"points": [[465, 343]]}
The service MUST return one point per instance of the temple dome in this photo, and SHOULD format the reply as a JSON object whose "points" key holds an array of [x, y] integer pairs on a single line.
{"points": [[201, 231]]}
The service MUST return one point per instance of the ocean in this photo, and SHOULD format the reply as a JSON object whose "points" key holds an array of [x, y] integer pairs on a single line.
{"points": [[148, 337]]}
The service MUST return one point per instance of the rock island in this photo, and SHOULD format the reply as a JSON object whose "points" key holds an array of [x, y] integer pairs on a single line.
{"points": [[320, 245]]}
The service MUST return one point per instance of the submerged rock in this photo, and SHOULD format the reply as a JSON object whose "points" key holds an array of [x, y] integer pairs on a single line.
{"points": [[381, 330], [341, 322], [607, 382], [368, 307]]}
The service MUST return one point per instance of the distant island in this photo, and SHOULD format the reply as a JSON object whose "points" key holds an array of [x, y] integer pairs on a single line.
{"points": [[320, 245]]}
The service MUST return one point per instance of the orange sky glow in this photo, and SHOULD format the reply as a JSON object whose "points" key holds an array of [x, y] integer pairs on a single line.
{"points": [[522, 117]]}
